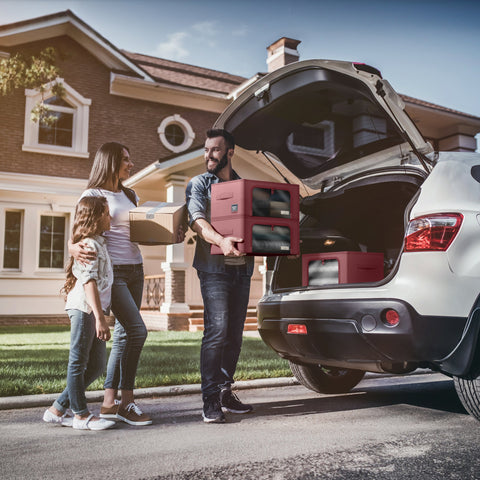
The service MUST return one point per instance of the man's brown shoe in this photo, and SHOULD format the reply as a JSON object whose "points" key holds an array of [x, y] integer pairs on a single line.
{"points": [[133, 415]]}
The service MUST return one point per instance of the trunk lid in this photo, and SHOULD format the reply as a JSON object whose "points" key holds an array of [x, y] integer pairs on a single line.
{"points": [[326, 121]]}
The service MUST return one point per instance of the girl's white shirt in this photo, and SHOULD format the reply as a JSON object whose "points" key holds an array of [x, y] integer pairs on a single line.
{"points": [[99, 270], [122, 251]]}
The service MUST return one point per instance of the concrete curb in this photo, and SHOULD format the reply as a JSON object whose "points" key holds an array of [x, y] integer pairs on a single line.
{"points": [[44, 400]]}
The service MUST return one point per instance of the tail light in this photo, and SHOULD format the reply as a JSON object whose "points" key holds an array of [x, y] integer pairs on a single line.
{"points": [[297, 329], [432, 232]]}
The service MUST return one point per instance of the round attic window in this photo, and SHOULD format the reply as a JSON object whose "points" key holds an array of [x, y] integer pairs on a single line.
{"points": [[176, 133]]}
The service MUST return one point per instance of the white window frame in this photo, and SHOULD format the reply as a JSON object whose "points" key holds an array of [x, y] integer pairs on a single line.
{"points": [[2, 238], [66, 216], [184, 125], [80, 109]]}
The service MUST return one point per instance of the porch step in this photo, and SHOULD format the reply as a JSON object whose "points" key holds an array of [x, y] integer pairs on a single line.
{"points": [[196, 320]]}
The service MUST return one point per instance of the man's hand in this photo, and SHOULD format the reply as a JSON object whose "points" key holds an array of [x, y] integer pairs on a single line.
{"points": [[181, 234], [227, 244], [81, 253]]}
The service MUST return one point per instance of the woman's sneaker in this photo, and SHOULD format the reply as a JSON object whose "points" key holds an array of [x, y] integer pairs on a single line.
{"points": [[231, 403], [110, 412], [132, 415]]}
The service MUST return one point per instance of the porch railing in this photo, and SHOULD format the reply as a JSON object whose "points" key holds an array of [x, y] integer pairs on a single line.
{"points": [[153, 292]]}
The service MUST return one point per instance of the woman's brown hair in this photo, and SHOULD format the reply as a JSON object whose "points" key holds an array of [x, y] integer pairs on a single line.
{"points": [[86, 224], [106, 166]]}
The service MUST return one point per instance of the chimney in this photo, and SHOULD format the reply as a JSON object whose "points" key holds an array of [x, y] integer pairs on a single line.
{"points": [[282, 52]]}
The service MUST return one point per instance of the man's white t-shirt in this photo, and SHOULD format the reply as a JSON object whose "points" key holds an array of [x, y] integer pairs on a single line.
{"points": [[121, 250]]}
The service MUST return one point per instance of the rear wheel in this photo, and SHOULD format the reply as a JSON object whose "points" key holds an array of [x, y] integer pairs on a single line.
{"points": [[468, 390], [326, 379]]}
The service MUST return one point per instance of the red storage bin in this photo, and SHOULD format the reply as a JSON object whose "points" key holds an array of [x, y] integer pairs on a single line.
{"points": [[264, 214], [341, 267]]}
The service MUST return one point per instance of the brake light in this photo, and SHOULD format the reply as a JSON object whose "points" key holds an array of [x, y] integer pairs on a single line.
{"points": [[297, 329], [432, 232]]}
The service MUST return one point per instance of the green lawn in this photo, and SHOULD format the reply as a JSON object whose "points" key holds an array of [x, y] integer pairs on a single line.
{"points": [[34, 360]]}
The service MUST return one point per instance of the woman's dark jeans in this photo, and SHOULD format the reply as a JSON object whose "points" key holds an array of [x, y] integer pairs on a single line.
{"points": [[129, 333], [225, 300]]}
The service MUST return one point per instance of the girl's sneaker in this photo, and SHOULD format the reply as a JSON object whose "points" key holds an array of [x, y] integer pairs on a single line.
{"points": [[132, 415], [63, 420], [89, 424]]}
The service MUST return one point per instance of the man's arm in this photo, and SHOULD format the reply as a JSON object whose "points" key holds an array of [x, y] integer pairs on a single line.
{"points": [[227, 244]]}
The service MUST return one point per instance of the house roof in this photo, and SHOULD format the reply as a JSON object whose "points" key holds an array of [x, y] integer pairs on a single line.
{"points": [[423, 103], [67, 23], [176, 73], [149, 68]]}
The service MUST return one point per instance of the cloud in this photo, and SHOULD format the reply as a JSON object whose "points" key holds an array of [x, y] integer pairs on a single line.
{"points": [[207, 28], [174, 47], [240, 31]]}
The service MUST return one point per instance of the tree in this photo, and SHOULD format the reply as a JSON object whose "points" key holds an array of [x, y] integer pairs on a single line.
{"points": [[19, 71]]}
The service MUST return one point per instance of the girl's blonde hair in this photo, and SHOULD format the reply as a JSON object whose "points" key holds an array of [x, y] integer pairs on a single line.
{"points": [[88, 213]]}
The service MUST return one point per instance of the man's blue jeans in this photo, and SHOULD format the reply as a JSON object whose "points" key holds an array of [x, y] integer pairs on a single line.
{"points": [[129, 333], [225, 300], [86, 362]]}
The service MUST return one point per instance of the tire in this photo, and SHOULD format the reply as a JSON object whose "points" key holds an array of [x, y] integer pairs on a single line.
{"points": [[468, 391], [326, 379]]}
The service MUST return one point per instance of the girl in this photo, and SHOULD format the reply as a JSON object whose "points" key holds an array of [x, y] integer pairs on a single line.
{"points": [[88, 290], [112, 166]]}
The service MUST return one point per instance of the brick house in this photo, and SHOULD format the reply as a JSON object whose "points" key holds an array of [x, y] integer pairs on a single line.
{"points": [[160, 109]]}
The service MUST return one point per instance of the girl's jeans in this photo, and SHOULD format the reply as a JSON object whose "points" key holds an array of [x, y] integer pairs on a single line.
{"points": [[86, 362], [130, 332]]}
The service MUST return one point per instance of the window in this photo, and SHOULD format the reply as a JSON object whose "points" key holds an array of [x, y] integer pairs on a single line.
{"points": [[175, 133], [52, 242], [11, 245], [61, 132], [69, 134]]}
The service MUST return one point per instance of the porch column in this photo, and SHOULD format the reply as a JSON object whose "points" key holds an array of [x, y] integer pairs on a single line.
{"points": [[174, 309]]}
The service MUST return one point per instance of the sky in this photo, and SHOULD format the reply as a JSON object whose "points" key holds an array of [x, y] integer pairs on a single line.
{"points": [[427, 49]]}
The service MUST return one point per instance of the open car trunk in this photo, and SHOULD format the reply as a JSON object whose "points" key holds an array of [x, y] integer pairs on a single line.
{"points": [[369, 216]]}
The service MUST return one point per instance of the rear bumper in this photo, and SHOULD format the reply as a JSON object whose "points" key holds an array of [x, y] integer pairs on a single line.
{"points": [[351, 334]]}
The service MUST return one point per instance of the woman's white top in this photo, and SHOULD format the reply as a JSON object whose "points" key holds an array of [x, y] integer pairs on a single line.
{"points": [[122, 251], [99, 270]]}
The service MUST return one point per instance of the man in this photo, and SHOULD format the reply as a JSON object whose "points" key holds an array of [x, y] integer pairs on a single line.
{"points": [[224, 283]]}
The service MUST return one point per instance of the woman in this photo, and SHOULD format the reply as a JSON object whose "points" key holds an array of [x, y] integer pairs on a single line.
{"points": [[110, 168]]}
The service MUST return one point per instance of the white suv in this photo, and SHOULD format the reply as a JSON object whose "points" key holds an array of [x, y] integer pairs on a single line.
{"points": [[379, 201]]}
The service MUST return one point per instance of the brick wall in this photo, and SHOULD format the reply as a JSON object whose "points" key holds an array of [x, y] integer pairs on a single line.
{"points": [[112, 118]]}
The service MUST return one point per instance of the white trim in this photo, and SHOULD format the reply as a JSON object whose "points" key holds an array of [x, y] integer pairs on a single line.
{"points": [[52, 213], [163, 168], [80, 110], [25, 182], [280, 52], [192, 98], [69, 25], [3, 219], [189, 134]]}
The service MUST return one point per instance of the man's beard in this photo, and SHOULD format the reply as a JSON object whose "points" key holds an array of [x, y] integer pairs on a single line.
{"points": [[221, 164]]}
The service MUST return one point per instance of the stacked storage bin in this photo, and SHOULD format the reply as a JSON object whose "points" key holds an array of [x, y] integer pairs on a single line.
{"points": [[264, 214], [341, 267]]}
